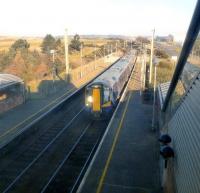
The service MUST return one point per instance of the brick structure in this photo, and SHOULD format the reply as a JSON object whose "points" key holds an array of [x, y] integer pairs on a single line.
{"points": [[12, 92]]}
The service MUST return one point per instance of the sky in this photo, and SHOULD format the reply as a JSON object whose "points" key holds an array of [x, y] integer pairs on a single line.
{"points": [[102, 17]]}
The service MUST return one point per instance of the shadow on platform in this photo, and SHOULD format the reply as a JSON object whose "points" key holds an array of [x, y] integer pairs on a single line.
{"points": [[50, 88]]}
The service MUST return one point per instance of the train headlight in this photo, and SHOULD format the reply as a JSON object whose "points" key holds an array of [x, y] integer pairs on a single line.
{"points": [[90, 99]]}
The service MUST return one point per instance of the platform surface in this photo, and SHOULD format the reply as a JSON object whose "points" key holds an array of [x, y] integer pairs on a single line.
{"points": [[128, 159]]}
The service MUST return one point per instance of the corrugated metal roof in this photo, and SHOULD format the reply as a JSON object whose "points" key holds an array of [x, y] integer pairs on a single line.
{"points": [[8, 80]]}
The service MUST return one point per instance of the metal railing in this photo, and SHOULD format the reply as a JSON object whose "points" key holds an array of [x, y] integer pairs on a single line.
{"points": [[191, 36]]}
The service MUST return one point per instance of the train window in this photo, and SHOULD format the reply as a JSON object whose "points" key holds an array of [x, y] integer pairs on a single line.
{"points": [[87, 92], [88, 96], [113, 78], [106, 94]]}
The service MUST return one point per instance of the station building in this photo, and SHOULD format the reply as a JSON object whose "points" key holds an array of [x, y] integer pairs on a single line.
{"points": [[12, 92], [169, 38]]}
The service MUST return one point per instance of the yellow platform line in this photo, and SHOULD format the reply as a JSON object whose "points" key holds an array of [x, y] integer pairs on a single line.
{"points": [[100, 185], [31, 116]]}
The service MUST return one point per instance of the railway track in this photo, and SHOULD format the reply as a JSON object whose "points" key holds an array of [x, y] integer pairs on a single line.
{"points": [[62, 160], [72, 144], [30, 165], [5, 137], [67, 176], [16, 163], [56, 154]]}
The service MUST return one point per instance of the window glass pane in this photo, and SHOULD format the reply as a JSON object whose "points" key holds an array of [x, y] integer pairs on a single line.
{"points": [[190, 72], [106, 95], [177, 95], [192, 67]]}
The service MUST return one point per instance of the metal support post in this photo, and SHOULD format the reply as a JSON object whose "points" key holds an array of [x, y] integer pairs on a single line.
{"points": [[151, 59], [81, 60], [66, 56], [95, 57], [154, 97]]}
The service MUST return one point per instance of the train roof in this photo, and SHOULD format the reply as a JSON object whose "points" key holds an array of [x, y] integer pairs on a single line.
{"points": [[110, 77]]}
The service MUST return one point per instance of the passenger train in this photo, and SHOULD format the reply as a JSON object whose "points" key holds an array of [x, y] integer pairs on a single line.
{"points": [[102, 94]]}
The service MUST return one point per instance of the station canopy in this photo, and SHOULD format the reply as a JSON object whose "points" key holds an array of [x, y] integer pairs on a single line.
{"points": [[7, 80]]}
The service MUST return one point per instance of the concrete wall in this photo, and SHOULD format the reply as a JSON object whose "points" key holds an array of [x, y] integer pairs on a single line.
{"points": [[13, 98]]}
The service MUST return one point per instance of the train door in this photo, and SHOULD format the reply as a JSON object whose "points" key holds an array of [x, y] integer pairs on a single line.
{"points": [[96, 95]]}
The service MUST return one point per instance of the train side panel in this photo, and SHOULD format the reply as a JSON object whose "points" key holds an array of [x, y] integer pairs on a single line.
{"points": [[107, 88]]}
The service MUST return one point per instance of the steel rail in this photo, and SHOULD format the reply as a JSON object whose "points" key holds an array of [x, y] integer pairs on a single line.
{"points": [[92, 159], [41, 153], [53, 108], [66, 157]]}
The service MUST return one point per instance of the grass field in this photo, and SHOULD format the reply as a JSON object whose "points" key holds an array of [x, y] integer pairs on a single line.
{"points": [[6, 42], [35, 42], [98, 42], [165, 71]]}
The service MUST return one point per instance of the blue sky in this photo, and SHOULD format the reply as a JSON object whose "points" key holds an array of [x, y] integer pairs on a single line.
{"points": [[124, 17]]}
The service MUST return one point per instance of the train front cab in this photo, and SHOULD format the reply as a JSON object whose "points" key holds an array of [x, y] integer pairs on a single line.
{"points": [[98, 101]]}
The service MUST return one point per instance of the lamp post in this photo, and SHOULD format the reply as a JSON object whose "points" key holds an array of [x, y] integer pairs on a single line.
{"points": [[124, 44], [104, 53], [156, 62], [66, 56], [145, 64], [131, 44], [110, 53], [53, 62], [53, 67], [95, 57], [142, 76], [144, 69], [151, 59], [81, 52]]}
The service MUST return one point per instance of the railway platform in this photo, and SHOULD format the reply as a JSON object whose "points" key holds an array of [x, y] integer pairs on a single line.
{"points": [[127, 159]]}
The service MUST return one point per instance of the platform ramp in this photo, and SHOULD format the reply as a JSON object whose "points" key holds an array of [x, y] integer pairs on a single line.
{"points": [[127, 160]]}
